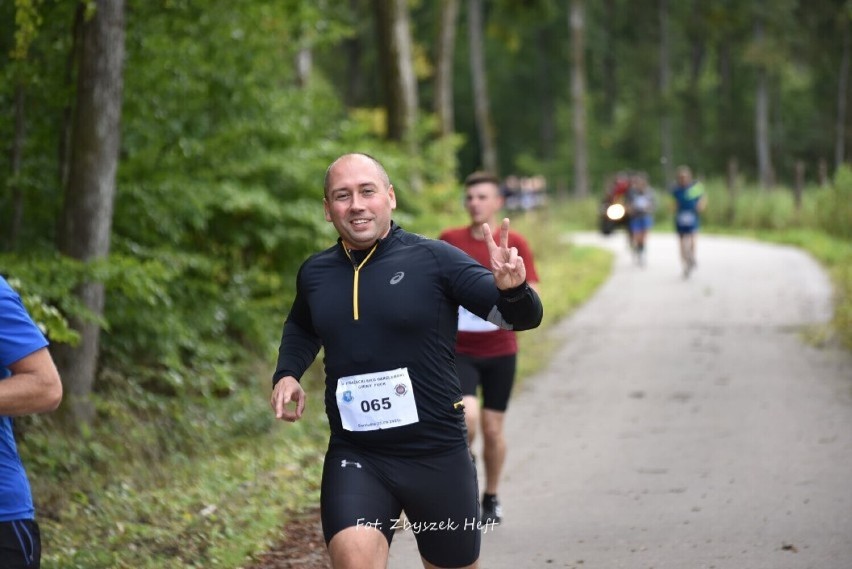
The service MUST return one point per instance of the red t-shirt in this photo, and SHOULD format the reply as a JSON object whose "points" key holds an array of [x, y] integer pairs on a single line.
{"points": [[487, 342]]}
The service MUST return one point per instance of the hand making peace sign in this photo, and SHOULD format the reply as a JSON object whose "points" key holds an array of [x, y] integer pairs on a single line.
{"points": [[508, 268]]}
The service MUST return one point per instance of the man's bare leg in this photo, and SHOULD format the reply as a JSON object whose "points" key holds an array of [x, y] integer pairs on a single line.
{"points": [[359, 547]]}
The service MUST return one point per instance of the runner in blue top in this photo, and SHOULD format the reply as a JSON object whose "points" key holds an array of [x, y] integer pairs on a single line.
{"points": [[29, 383], [383, 304], [690, 201], [640, 206]]}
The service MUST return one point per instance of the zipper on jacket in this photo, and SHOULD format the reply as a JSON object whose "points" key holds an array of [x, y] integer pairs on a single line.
{"points": [[357, 272]]}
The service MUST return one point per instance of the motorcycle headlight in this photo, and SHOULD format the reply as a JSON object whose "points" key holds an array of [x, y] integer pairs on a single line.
{"points": [[615, 211]]}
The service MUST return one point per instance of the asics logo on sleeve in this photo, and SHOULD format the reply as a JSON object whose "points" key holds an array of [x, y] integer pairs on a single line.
{"points": [[344, 463], [397, 277]]}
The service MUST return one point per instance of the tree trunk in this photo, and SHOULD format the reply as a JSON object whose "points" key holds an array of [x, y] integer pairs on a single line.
{"points": [[610, 62], [761, 118], [353, 96], [694, 114], [666, 145], [547, 105], [577, 24], [725, 130], [304, 65], [67, 110], [799, 185], [842, 94], [396, 55], [482, 106], [86, 221], [445, 51], [733, 176]]}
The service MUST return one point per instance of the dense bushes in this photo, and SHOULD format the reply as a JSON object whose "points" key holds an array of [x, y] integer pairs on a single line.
{"points": [[834, 205]]}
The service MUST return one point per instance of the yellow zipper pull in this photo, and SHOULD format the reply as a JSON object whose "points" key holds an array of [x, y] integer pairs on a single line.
{"points": [[357, 271]]}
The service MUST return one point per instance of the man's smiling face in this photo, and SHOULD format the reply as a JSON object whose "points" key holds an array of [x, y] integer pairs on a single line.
{"points": [[358, 201]]}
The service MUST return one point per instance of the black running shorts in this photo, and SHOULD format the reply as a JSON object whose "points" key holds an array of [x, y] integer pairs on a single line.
{"points": [[495, 375], [438, 492], [20, 545]]}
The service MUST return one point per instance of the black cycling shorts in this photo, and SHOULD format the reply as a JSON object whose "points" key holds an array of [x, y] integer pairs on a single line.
{"points": [[20, 545], [438, 492], [495, 375]]}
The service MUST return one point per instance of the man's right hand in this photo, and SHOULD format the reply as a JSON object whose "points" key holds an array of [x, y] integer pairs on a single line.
{"points": [[287, 391]]}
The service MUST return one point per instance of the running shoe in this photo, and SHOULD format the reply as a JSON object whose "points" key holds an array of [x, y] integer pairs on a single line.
{"points": [[492, 512]]}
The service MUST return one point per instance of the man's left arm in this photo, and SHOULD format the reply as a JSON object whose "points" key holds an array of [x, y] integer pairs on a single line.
{"points": [[518, 306], [512, 304], [517, 309]]}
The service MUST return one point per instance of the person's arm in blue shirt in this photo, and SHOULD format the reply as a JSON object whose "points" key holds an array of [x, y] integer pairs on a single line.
{"points": [[33, 387]]}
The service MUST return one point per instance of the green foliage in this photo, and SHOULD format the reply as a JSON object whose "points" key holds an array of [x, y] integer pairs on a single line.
{"points": [[33, 61], [757, 209], [27, 21], [834, 205], [842, 273], [219, 188], [824, 208], [221, 185], [47, 316], [48, 282]]}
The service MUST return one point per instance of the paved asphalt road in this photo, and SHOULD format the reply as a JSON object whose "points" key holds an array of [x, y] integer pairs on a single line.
{"points": [[683, 424]]}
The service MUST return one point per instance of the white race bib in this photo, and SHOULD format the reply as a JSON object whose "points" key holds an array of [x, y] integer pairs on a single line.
{"points": [[686, 218], [381, 400], [470, 322], [642, 203]]}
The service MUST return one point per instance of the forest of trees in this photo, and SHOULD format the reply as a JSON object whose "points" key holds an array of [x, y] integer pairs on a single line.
{"points": [[160, 179]]}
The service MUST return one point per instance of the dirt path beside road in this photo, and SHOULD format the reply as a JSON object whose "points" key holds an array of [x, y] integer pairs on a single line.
{"points": [[684, 424]]}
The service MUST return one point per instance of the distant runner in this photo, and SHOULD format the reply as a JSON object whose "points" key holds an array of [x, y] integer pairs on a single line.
{"points": [[641, 204], [690, 201]]}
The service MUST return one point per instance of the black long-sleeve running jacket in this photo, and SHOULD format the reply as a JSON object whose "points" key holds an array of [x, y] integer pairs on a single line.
{"points": [[398, 308]]}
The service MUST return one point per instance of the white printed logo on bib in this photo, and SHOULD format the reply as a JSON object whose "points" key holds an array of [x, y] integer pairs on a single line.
{"points": [[381, 400]]}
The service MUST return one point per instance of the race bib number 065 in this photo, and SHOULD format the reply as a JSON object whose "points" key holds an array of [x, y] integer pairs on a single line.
{"points": [[381, 400]]}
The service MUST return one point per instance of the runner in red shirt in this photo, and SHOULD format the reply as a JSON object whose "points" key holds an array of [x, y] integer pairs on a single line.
{"points": [[486, 356]]}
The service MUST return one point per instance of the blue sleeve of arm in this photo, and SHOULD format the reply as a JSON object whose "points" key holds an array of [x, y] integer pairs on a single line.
{"points": [[21, 336]]}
